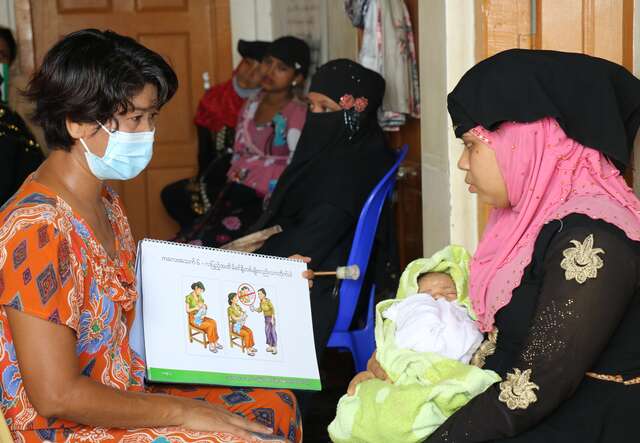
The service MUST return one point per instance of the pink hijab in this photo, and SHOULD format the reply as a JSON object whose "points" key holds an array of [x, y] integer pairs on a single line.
{"points": [[548, 176]]}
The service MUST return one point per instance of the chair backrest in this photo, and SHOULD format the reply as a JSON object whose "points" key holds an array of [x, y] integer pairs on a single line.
{"points": [[363, 242]]}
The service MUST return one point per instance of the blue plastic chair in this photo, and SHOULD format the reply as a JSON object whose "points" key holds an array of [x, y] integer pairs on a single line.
{"points": [[361, 342]]}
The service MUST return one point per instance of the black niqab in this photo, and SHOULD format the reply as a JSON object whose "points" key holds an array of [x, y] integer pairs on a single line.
{"points": [[318, 198], [595, 101]]}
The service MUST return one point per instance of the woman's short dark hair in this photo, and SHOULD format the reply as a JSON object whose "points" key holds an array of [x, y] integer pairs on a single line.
{"points": [[197, 284], [91, 75], [231, 297], [7, 36]]}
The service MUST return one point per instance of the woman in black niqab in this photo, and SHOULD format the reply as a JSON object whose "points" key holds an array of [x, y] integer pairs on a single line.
{"points": [[339, 159]]}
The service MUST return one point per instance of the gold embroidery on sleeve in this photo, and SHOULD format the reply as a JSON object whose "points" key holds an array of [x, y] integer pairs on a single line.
{"points": [[517, 391], [487, 348], [582, 262]]}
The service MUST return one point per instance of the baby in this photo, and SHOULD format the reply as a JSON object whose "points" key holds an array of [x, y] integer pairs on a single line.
{"points": [[432, 321], [425, 339], [200, 313], [237, 326]]}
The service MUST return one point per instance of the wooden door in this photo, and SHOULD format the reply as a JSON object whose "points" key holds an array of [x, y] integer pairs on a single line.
{"points": [[409, 185], [603, 28], [193, 35]]}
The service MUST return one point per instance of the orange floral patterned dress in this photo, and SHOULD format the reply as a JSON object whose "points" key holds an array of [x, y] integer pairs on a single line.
{"points": [[52, 267]]}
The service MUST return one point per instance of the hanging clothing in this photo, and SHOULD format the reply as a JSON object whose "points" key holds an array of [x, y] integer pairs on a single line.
{"points": [[340, 158], [388, 47], [55, 269], [356, 11], [556, 275], [261, 152]]}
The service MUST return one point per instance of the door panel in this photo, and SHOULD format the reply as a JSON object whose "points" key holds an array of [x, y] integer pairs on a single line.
{"points": [[161, 5], [409, 208], [175, 145], [158, 178], [135, 192], [79, 6], [501, 25], [194, 37], [603, 28]]}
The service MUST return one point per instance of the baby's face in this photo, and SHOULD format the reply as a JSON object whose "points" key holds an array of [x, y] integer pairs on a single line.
{"points": [[439, 285]]}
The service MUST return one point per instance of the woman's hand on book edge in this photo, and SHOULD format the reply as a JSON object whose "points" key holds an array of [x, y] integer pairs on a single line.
{"points": [[308, 274]]}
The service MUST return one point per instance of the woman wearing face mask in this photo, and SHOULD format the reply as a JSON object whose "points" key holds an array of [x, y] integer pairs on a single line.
{"points": [[554, 281], [20, 154], [67, 284], [267, 133]]}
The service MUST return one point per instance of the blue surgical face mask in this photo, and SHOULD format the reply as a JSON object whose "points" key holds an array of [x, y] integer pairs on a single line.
{"points": [[127, 154], [243, 92]]}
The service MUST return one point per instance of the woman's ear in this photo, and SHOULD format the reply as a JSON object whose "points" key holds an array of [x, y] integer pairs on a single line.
{"points": [[79, 130], [298, 80]]}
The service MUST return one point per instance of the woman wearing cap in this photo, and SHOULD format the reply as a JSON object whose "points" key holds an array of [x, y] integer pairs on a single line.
{"points": [[215, 120], [555, 279], [269, 126]]}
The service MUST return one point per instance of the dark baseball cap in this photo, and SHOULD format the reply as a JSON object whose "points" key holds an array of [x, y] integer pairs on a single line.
{"points": [[292, 51], [252, 49]]}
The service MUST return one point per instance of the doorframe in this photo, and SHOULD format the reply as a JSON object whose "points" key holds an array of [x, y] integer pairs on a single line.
{"points": [[24, 34], [447, 51]]}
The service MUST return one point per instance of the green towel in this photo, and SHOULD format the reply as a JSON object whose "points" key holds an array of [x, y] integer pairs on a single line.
{"points": [[426, 388]]}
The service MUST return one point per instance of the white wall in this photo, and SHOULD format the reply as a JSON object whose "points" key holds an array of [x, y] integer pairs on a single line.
{"points": [[323, 24], [264, 20], [7, 14], [342, 36], [250, 20], [447, 43]]}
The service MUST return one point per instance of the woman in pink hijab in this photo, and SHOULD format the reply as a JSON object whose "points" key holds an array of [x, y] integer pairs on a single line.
{"points": [[555, 281]]}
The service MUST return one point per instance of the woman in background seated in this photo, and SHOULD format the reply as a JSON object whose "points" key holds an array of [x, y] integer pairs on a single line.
{"points": [[267, 133], [340, 158], [67, 262], [216, 119]]}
